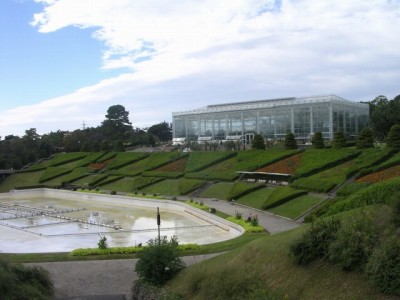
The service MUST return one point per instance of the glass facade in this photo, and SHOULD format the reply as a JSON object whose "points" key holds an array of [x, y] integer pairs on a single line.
{"points": [[273, 119]]}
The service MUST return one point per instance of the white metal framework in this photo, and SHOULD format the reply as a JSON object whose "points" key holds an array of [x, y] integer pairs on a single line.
{"points": [[271, 118]]}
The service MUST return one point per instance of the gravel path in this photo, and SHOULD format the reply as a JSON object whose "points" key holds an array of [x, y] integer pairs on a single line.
{"points": [[101, 279]]}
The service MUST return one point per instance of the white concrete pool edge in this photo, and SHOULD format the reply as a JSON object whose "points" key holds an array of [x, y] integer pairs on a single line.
{"points": [[169, 205]]}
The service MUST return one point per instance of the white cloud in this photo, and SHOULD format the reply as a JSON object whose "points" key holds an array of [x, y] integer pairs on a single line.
{"points": [[188, 54]]}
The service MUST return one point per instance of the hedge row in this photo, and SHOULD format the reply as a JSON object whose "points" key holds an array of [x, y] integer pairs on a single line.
{"points": [[241, 189], [223, 176], [162, 174], [380, 192], [344, 158], [202, 160], [63, 159], [110, 180], [123, 250], [53, 172], [282, 195], [123, 159]]}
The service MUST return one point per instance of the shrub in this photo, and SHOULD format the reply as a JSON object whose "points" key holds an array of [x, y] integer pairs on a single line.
{"points": [[290, 142], [339, 140], [393, 140], [366, 139], [258, 142], [102, 244], [318, 141], [159, 261], [383, 266], [20, 282], [354, 243], [316, 241]]}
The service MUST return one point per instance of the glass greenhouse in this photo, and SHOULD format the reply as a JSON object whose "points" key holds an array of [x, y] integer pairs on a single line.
{"points": [[272, 119]]}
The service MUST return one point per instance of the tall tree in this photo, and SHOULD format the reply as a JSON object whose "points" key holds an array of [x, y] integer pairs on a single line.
{"points": [[258, 142], [339, 140], [318, 141], [365, 139], [161, 130], [393, 139], [116, 126], [290, 141]]}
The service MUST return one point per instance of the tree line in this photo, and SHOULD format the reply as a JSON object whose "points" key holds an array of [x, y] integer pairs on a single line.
{"points": [[115, 133]]}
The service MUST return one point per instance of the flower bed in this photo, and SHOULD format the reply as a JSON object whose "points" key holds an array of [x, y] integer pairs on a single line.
{"points": [[285, 166], [388, 173]]}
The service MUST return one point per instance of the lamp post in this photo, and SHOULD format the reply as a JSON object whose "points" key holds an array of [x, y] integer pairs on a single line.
{"points": [[158, 224]]}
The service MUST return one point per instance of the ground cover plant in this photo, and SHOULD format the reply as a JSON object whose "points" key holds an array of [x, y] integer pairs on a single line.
{"points": [[351, 188], [165, 187], [20, 282], [125, 158], [106, 157], [187, 186], [218, 190], [287, 165], [53, 172], [255, 159], [379, 192], [21, 180], [76, 174], [392, 161], [255, 199], [162, 174], [296, 207], [224, 170], [316, 160], [201, 160], [324, 181], [63, 158], [280, 195], [178, 165], [389, 173], [263, 269], [89, 180]]}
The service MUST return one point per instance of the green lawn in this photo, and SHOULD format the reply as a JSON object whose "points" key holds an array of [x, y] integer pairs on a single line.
{"points": [[296, 207], [165, 187], [255, 199], [21, 179], [219, 190]]}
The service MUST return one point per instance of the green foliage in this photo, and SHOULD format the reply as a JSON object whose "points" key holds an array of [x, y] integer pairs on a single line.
{"points": [[318, 140], [282, 194], [248, 226], [383, 266], [76, 174], [339, 140], [145, 291], [294, 208], [379, 192], [209, 175], [102, 244], [316, 241], [354, 243], [64, 158], [218, 190], [393, 139], [317, 160], [18, 282], [290, 141], [351, 188], [258, 142], [53, 172], [365, 139], [159, 261], [239, 189], [162, 174], [201, 160], [255, 159], [125, 158], [256, 198], [187, 186]]}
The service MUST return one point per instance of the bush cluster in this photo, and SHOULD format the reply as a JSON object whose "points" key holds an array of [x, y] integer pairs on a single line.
{"points": [[20, 282], [360, 243]]}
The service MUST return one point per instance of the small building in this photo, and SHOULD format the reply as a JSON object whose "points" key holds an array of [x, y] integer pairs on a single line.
{"points": [[273, 118]]}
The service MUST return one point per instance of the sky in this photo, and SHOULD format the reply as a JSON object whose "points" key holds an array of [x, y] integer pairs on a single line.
{"points": [[63, 63]]}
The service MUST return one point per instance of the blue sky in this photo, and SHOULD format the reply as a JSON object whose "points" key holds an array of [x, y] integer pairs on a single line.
{"points": [[63, 62]]}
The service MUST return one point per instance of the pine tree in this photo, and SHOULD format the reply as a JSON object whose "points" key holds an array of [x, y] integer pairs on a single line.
{"points": [[290, 142], [318, 140], [365, 139], [258, 142], [393, 139], [338, 140]]}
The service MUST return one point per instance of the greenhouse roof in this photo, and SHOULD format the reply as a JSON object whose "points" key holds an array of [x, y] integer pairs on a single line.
{"points": [[269, 103]]}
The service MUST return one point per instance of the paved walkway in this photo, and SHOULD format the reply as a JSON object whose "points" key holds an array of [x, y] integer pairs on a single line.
{"points": [[272, 223]]}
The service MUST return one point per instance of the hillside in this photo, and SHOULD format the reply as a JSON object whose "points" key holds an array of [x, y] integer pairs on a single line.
{"points": [[262, 269]]}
